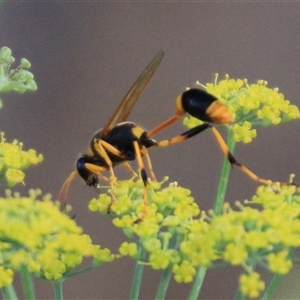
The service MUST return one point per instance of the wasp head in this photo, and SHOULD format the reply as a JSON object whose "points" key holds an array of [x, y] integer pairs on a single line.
{"points": [[90, 178]]}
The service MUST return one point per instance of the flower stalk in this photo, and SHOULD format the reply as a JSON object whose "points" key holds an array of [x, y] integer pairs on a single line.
{"points": [[9, 293], [271, 287], [164, 283], [220, 197], [57, 287], [224, 175], [138, 274], [27, 283], [198, 282]]}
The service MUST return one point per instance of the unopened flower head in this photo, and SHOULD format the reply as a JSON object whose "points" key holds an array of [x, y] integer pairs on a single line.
{"points": [[18, 79], [251, 105]]}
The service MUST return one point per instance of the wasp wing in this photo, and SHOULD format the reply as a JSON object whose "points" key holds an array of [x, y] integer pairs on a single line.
{"points": [[124, 108]]}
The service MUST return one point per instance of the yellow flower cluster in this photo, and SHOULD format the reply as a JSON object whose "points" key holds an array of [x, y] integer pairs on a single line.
{"points": [[13, 159], [35, 234], [251, 284], [251, 105], [175, 234]]}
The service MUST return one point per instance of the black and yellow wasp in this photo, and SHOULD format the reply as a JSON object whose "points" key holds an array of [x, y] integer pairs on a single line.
{"points": [[120, 141]]}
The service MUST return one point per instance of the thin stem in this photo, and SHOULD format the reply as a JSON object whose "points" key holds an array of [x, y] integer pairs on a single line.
{"points": [[274, 282], [167, 273], [164, 283], [271, 287], [27, 283], [222, 187], [239, 295], [138, 274], [57, 286], [9, 293], [81, 271], [197, 283], [223, 181]]}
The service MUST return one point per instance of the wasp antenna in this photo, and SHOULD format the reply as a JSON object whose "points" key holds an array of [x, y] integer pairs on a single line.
{"points": [[62, 197]]}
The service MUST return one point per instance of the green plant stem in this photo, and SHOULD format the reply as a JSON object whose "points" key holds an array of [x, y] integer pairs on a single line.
{"points": [[138, 274], [239, 295], [271, 287], [223, 181], [222, 187], [167, 273], [81, 271], [57, 286], [9, 293], [197, 283], [164, 284], [27, 283]]}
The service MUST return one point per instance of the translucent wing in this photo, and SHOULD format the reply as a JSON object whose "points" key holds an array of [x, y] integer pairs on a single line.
{"points": [[124, 108]]}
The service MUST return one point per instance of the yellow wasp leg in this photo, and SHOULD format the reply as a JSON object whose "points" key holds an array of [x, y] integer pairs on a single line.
{"points": [[110, 148], [234, 162], [96, 170], [100, 146], [144, 178], [144, 151], [198, 129], [129, 168], [184, 136], [117, 152]]}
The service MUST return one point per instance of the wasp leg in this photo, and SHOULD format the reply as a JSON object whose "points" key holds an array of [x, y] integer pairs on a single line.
{"points": [[144, 178], [109, 147], [184, 136], [129, 168], [117, 152], [103, 177], [243, 168], [144, 152], [100, 147], [96, 170], [198, 129]]}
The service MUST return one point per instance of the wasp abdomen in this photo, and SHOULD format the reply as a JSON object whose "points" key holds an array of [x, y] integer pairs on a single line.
{"points": [[204, 106]]}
